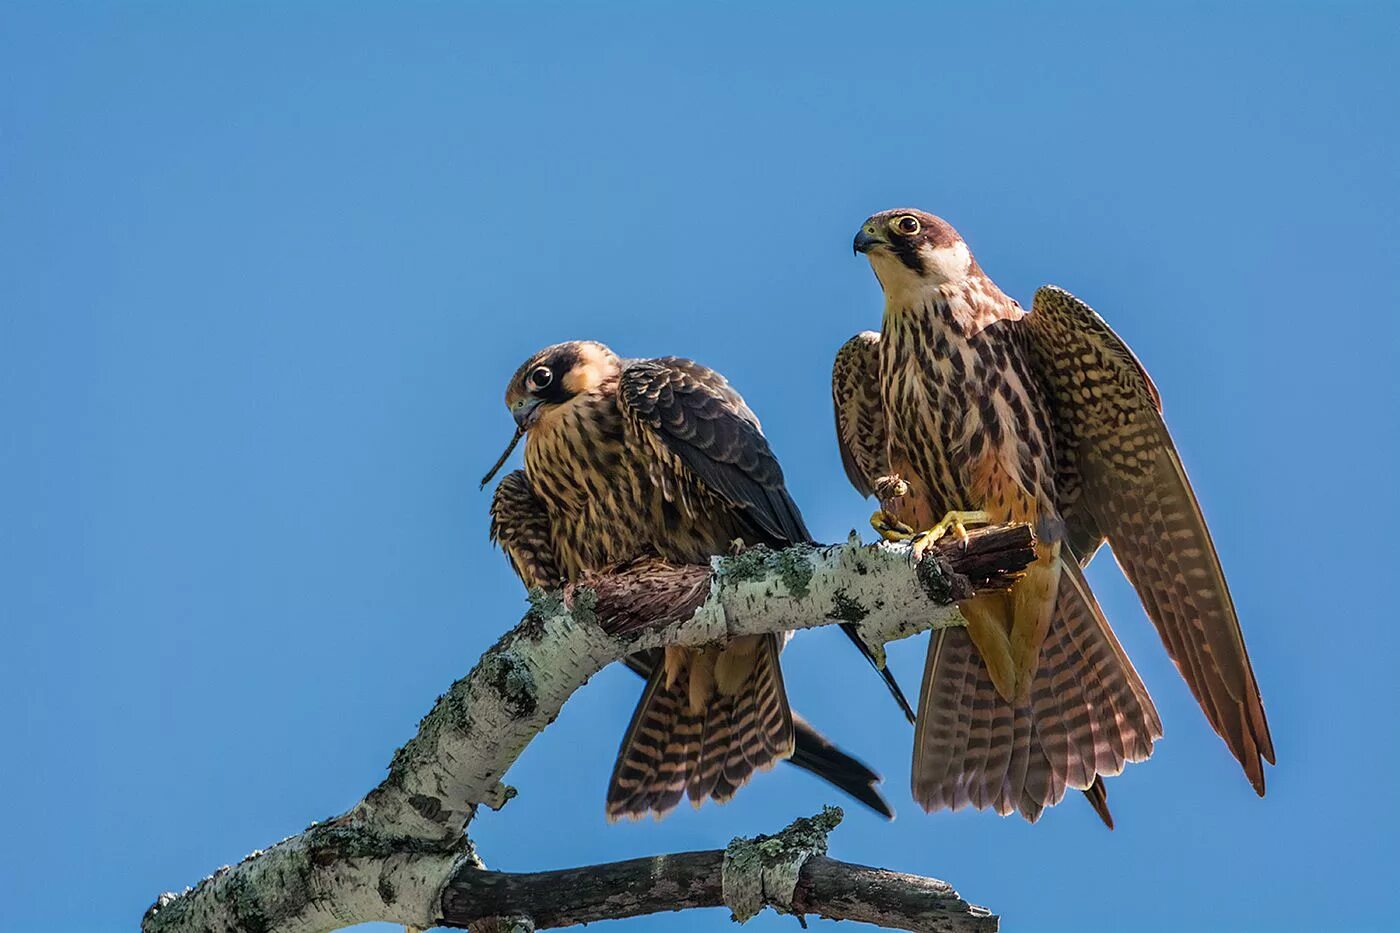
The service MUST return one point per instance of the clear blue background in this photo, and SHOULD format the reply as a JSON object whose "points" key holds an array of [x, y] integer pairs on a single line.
{"points": [[264, 273]]}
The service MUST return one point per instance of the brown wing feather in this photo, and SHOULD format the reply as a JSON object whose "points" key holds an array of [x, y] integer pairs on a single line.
{"points": [[702, 431], [1124, 480], [698, 425], [860, 421], [520, 525]]}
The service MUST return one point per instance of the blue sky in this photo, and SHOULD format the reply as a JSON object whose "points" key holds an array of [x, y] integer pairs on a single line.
{"points": [[264, 272]]}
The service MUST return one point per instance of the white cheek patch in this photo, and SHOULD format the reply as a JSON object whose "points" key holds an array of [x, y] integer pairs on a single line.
{"points": [[903, 286], [947, 263]]}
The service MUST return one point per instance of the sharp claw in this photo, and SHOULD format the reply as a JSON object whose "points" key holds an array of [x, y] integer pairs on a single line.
{"points": [[954, 522], [889, 527]]}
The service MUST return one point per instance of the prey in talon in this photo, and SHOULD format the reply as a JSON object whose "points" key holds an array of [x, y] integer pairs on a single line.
{"points": [[890, 492], [987, 413]]}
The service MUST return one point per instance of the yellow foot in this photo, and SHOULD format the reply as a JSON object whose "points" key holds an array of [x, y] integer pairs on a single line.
{"points": [[956, 522], [889, 527]]}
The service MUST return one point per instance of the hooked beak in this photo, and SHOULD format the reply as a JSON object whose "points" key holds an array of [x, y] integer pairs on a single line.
{"points": [[525, 412], [865, 242]]}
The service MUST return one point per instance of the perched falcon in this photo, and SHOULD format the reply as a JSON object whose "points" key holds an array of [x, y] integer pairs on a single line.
{"points": [[521, 526], [965, 408], [636, 458]]}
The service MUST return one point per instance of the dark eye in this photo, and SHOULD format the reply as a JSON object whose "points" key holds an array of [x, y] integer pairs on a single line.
{"points": [[540, 378], [907, 225]]}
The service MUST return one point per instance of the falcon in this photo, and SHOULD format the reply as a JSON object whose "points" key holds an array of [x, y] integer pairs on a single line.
{"points": [[521, 526], [627, 459], [967, 409]]}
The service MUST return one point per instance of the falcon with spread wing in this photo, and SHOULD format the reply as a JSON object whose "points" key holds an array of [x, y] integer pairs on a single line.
{"points": [[627, 459], [965, 408]]}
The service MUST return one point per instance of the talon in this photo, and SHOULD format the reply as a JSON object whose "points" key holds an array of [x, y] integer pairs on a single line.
{"points": [[956, 522], [889, 527], [736, 547]]}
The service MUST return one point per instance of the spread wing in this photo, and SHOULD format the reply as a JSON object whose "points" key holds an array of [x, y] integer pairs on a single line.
{"points": [[701, 430], [860, 422], [520, 525], [1123, 480]]}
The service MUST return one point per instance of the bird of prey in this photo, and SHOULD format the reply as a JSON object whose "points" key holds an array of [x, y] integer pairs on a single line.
{"points": [[633, 458], [523, 529], [965, 408]]}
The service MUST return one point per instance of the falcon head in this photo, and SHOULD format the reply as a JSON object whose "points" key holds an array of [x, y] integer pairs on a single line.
{"points": [[555, 375], [550, 379], [910, 249]]}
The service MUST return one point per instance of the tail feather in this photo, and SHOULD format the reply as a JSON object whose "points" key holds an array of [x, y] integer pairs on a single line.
{"points": [[815, 753], [1087, 715], [742, 740], [1018, 767], [637, 780], [774, 716], [945, 720], [885, 673], [683, 744], [713, 747], [1097, 795], [987, 792], [1061, 761], [1139, 726]]}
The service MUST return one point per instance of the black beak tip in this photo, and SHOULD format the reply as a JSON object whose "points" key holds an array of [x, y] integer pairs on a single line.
{"points": [[864, 243]]}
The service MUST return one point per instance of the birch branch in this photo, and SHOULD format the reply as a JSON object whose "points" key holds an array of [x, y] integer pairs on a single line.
{"points": [[392, 856]]}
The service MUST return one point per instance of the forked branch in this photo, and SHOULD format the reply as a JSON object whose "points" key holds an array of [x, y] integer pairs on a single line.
{"points": [[401, 854]]}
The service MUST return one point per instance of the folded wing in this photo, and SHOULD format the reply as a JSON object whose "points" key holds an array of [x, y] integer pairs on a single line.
{"points": [[698, 425], [860, 420]]}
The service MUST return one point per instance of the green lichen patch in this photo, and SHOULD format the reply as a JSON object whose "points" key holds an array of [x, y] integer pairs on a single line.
{"points": [[935, 582], [846, 609], [792, 567], [750, 564], [584, 606], [512, 681], [764, 869], [544, 605], [795, 570]]}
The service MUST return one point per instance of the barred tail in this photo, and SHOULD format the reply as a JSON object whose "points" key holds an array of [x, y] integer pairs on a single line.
{"points": [[1087, 715], [707, 721]]}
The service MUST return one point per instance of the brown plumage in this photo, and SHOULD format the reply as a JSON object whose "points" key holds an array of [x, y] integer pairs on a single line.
{"points": [[522, 528], [966, 403], [662, 458]]}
